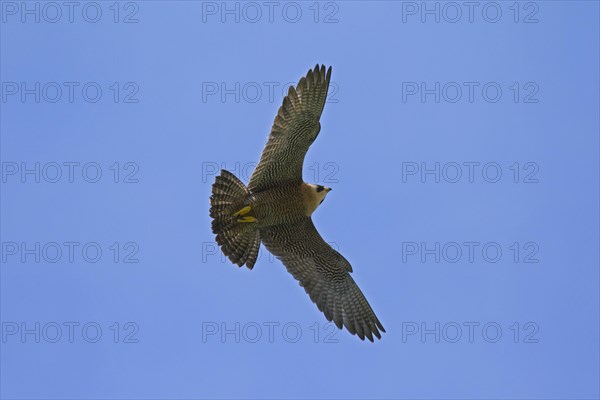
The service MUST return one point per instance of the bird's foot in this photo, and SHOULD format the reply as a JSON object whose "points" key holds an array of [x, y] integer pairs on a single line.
{"points": [[243, 211], [243, 217], [247, 219]]}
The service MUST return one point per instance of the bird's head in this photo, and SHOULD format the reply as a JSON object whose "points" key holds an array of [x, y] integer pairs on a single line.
{"points": [[320, 192], [313, 196]]}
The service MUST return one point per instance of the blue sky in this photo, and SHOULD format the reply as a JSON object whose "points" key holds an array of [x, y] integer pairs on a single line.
{"points": [[462, 146]]}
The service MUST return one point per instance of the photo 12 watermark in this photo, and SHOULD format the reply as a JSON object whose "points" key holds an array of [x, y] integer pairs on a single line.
{"points": [[454, 172], [470, 332], [325, 172], [70, 12], [255, 92], [211, 253], [70, 252], [470, 252], [88, 92], [28, 332], [268, 332], [470, 92], [270, 12], [28, 172], [471, 12]]}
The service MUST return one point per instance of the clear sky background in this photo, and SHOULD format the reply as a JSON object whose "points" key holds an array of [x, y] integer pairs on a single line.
{"points": [[462, 146]]}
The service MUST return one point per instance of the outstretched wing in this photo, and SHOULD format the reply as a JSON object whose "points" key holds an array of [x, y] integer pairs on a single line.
{"points": [[325, 275], [295, 127]]}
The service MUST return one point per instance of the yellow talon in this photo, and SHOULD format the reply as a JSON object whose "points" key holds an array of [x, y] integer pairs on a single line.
{"points": [[247, 219], [243, 211]]}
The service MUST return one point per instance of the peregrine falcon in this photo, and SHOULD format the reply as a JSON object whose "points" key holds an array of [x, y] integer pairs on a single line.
{"points": [[276, 207]]}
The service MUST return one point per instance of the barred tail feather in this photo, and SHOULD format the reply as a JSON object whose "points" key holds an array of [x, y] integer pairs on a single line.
{"points": [[239, 241]]}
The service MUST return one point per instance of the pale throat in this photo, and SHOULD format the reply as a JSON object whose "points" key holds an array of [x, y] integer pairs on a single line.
{"points": [[311, 198]]}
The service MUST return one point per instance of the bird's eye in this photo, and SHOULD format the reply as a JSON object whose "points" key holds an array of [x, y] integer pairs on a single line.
{"points": [[320, 188]]}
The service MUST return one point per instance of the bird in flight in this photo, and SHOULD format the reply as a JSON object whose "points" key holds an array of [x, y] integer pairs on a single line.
{"points": [[276, 207]]}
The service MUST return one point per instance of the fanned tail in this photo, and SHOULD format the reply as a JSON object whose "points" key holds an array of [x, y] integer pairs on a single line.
{"points": [[239, 241]]}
